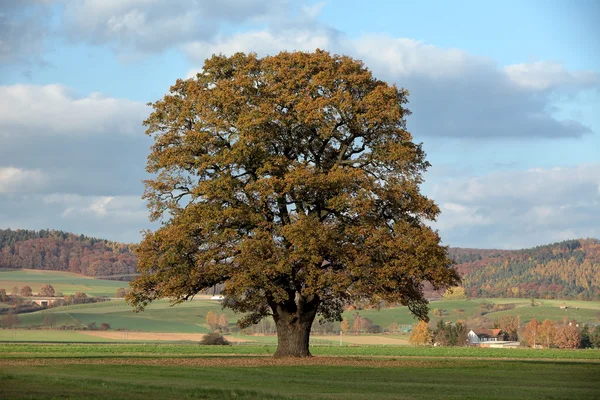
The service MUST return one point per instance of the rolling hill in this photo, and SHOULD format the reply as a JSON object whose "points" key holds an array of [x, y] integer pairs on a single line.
{"points": [[62, 251], [564, 270]]}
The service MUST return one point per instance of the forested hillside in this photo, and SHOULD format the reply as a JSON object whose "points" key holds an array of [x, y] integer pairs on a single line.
{"points": [[565, 270], [62, 251]]}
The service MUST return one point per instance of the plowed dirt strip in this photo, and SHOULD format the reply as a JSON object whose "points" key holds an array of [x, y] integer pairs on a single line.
{"points": [[153, 336], [264, 361], [158, 336]]}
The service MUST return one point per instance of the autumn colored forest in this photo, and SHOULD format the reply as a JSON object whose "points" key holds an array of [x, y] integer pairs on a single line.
{"points": [[565, 270], [61, 251]]}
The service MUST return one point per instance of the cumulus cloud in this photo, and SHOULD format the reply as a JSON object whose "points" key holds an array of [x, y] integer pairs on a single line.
{"points": [[152, 25], [56, 110], [453, 93], [114, 217], [75, 162], [520, 208], [121, 209], [456, 94], [541, 75], [264, 42], [72, 162], [14, 180], [54, 141]]}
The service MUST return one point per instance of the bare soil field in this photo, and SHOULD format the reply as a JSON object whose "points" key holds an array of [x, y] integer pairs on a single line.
{"points": [[155, 336], [244, 361]]}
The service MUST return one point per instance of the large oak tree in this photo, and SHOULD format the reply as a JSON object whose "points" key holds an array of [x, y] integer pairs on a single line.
{"points": [[293, 181]]}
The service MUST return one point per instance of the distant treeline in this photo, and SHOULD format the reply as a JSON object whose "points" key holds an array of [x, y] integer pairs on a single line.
{"points": [[565, 270], [63, 251]]}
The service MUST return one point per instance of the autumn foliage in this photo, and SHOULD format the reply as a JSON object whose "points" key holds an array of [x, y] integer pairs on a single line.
{"points": [[567, 337], [530, 335], [345, 325], [421, 334], [562, 270], [26, 291], [292, 180], [547, 333], [62, 251], [455, 293], [47, 290]]}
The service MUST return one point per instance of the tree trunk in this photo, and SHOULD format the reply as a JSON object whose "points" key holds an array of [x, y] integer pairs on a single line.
{"points": [[293, 322]]}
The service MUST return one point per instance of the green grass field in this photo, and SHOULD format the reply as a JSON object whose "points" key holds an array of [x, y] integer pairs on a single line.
{"points": [[21, 335], [190, 317], [90, 367], [111, 350], [64, 282], [582, 311], [158, 317], [247, 372]]}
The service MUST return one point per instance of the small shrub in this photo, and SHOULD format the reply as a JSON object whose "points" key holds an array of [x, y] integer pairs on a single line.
{"points": [[503, 307], [214, 339], [439, 312]]}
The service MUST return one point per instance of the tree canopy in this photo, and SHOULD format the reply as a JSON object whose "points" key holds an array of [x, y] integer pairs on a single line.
{"points": [[292, 180]]}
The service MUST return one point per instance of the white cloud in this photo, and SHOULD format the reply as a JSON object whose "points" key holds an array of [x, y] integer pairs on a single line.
{"points": [[455, 215], [453, 93], [403, 57], [55, 110], [119, 209], [112, 217], [541, 75], [16, 180], [263, 43], [153, 25], [520, 208]]}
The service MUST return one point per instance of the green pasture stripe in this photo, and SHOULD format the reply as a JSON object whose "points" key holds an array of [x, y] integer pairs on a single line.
{"points": [[446, 379]]}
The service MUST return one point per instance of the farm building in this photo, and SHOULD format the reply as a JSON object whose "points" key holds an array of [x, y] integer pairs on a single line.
{"points": [[44, 301], [491, 338], [484, 335], [500, 344]]}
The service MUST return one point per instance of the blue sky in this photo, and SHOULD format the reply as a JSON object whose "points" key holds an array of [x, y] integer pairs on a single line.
{"points": [[505, 97]]}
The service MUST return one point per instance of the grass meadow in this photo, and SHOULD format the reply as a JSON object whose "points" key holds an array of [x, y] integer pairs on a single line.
{"points": [[190, 317], [72, 364], [64, 282], [113, 371]]}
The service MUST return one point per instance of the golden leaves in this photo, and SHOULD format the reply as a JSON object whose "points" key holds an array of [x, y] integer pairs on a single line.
{"points": [[289, 174]]}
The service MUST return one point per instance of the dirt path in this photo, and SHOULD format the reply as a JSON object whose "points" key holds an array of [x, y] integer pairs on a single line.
{"points": [[154, 336]]}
